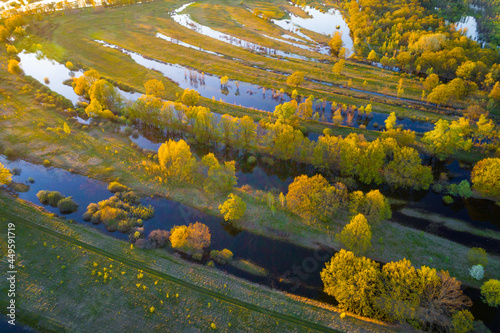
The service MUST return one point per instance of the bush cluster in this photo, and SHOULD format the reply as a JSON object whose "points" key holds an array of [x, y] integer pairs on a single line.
{"points": [[66, 205], [121, 212]]}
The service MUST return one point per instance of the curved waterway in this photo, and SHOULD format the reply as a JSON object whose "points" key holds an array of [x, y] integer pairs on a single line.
{"points": [[256, 97], [280, 260], [208, 85]]}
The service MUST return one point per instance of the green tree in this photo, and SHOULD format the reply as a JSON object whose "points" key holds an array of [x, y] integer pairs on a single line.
{"points": [[295, 79], [495, 92], [248, 131], [155, 88], [228, 126], [354, 282], [5, 175], [445, 139], [220, 178], [313, 197], [486, 176], [147, 108], [477, 256], [190, 97], [106, 94], [374, 205], [462, 322], [176, 161], [371, 162], [400, 296], [356, 236], [233, 208], [336, 43], [406, 170], [431, 82], [286, 112], [490, 290]]}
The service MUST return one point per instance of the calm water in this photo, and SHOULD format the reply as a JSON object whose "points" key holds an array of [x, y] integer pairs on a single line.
{"points": [[470, 24], [319, 22]]}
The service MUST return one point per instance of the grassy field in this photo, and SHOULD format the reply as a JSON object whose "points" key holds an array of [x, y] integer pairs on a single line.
{"points": [[62, 286], [72, 38]]}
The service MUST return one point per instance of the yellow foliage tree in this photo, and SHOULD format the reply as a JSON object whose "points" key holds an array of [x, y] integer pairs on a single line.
{"points": [[357, 235], [154, 87], [233, 208], [176, 161], [486, 176], [5, 175]]}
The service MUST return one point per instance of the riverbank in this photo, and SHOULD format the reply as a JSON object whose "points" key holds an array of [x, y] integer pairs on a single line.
{"points": [[197, 295]]}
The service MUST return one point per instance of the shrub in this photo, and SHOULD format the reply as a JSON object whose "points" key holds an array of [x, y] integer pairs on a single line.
{"points": [[477, 256], [490, 290], [96, 217], [127, 130], [54, 197], [11, 49], [144, 243], [477, 272], [221, 257], [114, 187], [462, 322], [142, 211], [447, 199], [43, 197], [13, 67], [9, 152], [198, 256], [437, 187], [129, 197], [16, 171], [252, 159], [31, 180], [464, 190], [70, 66], [159, 238], [46, 163], [67, 205]]}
